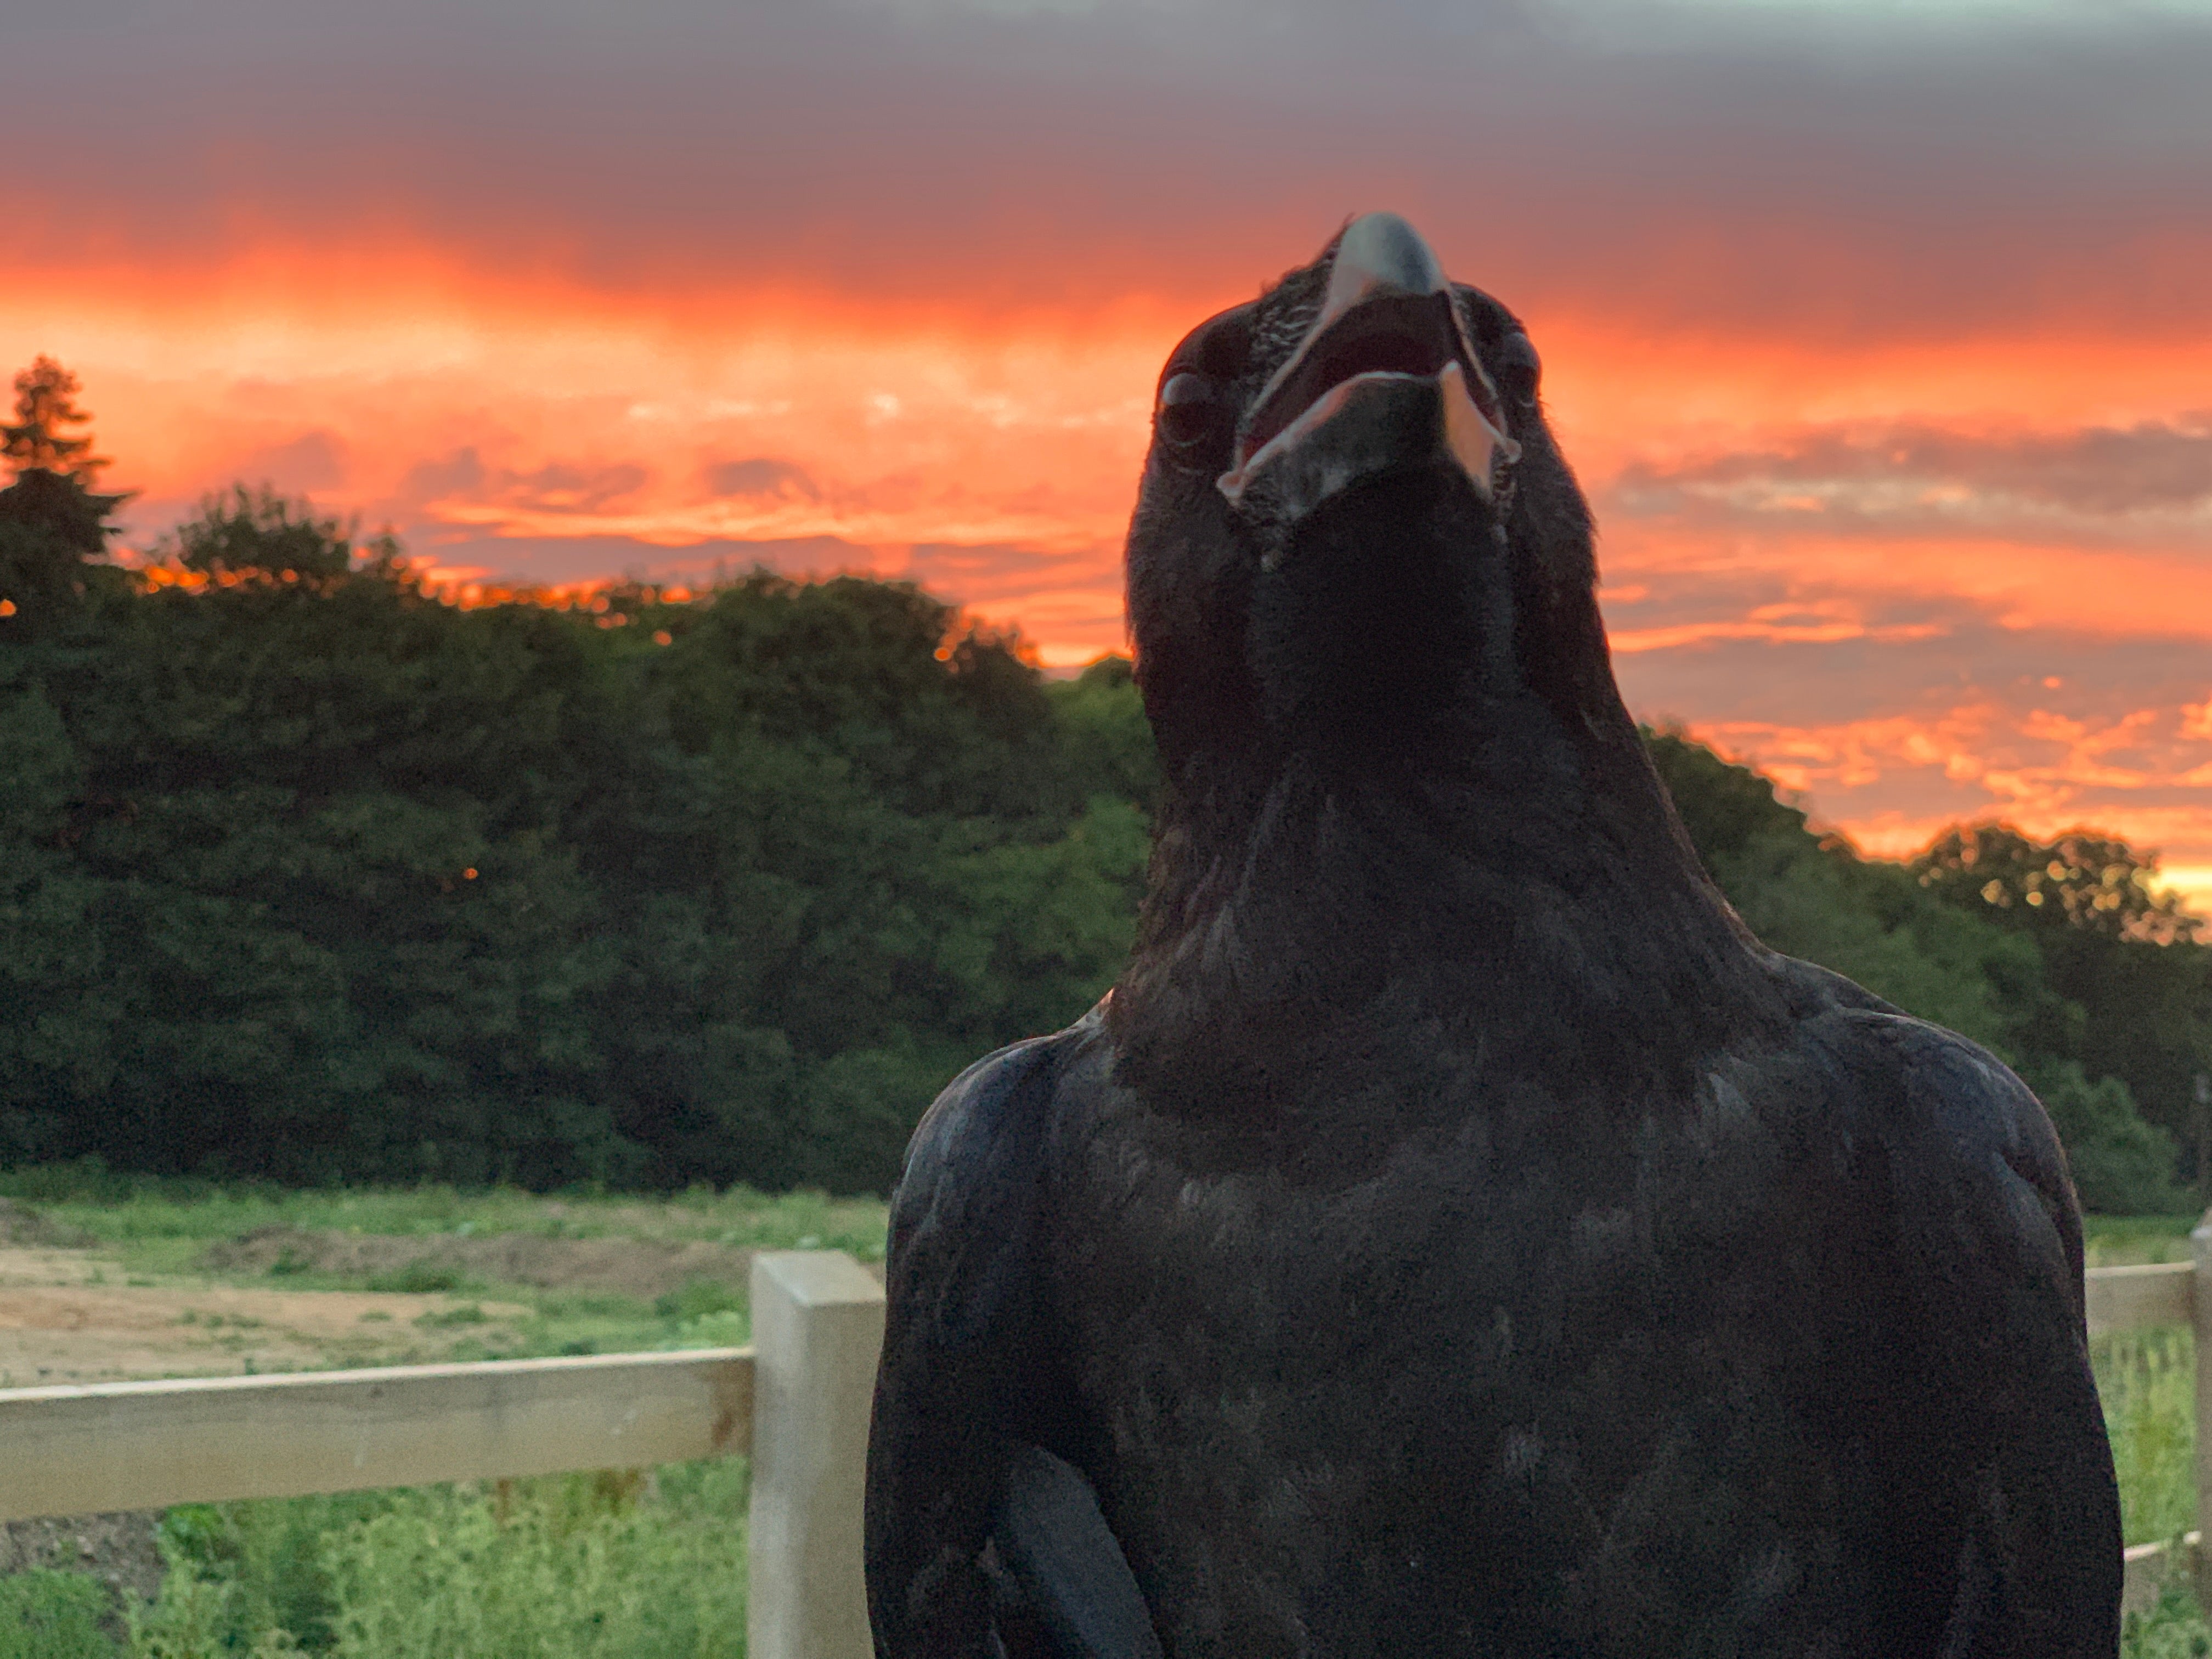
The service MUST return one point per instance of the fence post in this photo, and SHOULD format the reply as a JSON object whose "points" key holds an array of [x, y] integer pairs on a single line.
{"points": [[2200, 1250], [817, 1329]]}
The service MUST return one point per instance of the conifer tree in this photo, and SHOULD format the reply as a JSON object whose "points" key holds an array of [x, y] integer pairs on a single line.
{"points": [[45, 395], [51, 519]]}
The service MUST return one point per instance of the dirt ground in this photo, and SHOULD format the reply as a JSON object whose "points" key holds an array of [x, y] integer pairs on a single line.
{"points": [[67, 1316], [639, 1267], [72, 1313], [116, 1549]]}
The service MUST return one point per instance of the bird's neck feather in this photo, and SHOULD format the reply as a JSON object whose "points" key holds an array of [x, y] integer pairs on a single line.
{"points": [[1520, 897]]}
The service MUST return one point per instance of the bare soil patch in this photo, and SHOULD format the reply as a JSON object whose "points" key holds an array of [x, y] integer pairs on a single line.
{"points": [[639, 1267], [118, 1549], [58, 1325]]}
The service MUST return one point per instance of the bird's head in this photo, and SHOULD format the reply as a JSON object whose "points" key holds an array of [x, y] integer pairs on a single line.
{"points": [[1354, 523], [1406, 804]]}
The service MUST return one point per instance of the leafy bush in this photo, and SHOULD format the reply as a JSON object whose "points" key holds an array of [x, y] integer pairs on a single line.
{"points": [[2121, 1165]]}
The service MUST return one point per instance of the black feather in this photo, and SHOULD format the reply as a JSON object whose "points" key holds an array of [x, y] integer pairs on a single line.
{"points": [[1456, 1234], [1069, 1572]]}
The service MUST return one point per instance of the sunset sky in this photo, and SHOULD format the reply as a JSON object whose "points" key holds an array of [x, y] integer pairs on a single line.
{"points": [[1880, 332]]}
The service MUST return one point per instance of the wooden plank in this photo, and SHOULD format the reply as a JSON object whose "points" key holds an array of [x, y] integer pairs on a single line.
{"points": [[2124, 1298], [818, 1326], [144, 1445]]}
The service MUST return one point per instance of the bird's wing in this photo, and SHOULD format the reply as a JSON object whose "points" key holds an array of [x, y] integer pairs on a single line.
{"points": [[970, 1383], [1066, 1567], [1984, 1243]]}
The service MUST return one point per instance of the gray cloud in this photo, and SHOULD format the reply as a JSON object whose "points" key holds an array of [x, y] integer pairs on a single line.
{"points": [[2155, 476], [313, 460], [565, 487], [762, 477], [1822, 167], [460, 473], [527, 560], [558, 486]]}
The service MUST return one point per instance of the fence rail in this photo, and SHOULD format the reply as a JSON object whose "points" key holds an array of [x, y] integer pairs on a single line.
{"points": [[797, 1401]]}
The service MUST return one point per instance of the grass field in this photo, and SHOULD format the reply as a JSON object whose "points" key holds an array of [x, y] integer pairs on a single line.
{"points": [[222, 1279], [564, 1567], [603, 1567], [2122, 1241]]}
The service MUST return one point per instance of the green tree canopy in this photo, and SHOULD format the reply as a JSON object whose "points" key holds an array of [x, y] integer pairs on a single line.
{"points": [[2080, 880], [305, 873], [263, 534]]}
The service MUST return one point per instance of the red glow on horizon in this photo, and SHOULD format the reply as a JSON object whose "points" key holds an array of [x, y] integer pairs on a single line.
{"points": [[504, 423]]}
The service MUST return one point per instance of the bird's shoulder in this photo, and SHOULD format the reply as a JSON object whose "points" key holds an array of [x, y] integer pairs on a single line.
{"points": [[962, 1215], [1971, 1167]]}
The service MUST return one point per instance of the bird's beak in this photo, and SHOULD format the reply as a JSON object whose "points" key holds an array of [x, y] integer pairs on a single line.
{"points": [[1384, 377]]}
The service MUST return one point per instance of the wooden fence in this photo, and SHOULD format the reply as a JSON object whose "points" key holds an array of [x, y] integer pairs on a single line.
{"points": [[797, 1401], [2171, 1293]]}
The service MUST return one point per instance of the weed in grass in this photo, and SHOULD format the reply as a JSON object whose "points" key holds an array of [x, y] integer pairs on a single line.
{"points": [[422, 1279], [53, 1615], [731, 1328], [571, 1306], [698, 1297], [467, 1314], [2173, 1629], [567, 1567]]}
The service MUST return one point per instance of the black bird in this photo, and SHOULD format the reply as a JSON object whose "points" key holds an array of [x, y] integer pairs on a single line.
{"points": [[1456, 1234]]}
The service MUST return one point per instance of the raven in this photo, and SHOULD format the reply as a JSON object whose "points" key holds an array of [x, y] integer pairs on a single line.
{"points": [[1454, 1233]]}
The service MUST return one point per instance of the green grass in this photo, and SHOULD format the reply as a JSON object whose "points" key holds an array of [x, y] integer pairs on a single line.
{"points": [[126, 1212], [2174, 1629], [2120, 1241], [46, 1615], [564, 1567], [161, 1229], [2147, 1379]]}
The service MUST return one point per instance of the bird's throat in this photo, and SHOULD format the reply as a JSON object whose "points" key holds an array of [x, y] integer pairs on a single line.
{"points": [[1297, 926]]}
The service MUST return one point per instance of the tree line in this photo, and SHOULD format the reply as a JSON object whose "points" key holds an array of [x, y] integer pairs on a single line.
{"points": [[307, 873]]}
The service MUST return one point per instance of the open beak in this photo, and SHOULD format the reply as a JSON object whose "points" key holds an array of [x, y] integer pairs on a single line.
{"points": [[1385, 378]]}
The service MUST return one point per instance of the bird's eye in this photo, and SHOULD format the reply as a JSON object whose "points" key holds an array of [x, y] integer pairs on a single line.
{"points": [[1191, 412], [1515, 367]]}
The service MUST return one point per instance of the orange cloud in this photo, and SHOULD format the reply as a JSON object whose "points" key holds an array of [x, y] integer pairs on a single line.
{"points": [[520, 427]]}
